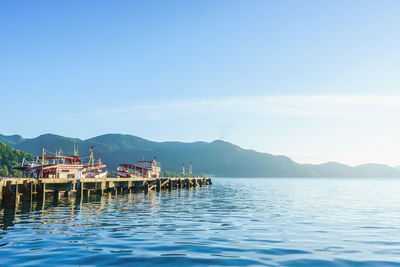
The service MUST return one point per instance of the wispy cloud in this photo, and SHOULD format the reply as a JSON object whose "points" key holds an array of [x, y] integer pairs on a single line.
{"points": [[340, 106], [347, 128]]}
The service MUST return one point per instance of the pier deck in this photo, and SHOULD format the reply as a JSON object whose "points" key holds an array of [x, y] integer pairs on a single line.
{"points": [[14, 190]]}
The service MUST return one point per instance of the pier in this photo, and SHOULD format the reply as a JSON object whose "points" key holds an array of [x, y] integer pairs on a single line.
{"points": [[16, 190]]}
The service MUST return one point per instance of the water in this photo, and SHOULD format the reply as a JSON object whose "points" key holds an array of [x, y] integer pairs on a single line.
{"points": [[287, 222]]}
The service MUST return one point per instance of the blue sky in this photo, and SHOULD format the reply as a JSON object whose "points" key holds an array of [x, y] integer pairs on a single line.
{"points": [[314, 80]]}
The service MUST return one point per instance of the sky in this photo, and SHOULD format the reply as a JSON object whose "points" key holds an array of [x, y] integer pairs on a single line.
{"points": [[317, 81]]}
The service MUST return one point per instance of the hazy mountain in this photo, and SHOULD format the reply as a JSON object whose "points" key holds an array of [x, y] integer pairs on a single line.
{"points": [[11, 139], [334, 169], [219, 158]]}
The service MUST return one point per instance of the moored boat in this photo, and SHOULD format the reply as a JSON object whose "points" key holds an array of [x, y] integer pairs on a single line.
{"points": [[140, 169], [60, 166]]}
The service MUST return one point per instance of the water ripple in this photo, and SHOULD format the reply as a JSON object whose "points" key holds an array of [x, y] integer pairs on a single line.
{"points": [[235, 222]]}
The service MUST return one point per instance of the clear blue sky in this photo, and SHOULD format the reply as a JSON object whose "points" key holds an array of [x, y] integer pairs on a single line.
{"points": [[315, 80]]}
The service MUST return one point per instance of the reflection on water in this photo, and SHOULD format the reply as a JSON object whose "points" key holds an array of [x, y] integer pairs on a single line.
{"points": [[234, 222]]}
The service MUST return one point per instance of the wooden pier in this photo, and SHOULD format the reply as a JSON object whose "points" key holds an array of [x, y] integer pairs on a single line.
{"points": [[16, 190]]}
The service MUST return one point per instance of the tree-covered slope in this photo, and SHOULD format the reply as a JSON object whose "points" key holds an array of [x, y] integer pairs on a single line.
{"points": [[10, 157]]}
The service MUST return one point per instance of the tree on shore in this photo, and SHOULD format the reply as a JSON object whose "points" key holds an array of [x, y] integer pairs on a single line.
{"points": [[10, 157]]}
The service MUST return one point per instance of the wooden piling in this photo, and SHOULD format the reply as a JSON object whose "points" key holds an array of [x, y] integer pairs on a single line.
{"points": [[41, 192], [79, 189], [56, 195], [26, 191], [129, 189], [36, 189], [10, 195], [158, 185]]}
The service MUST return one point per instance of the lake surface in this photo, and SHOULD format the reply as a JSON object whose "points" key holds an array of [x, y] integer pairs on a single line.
{"points": [[289, 222]]}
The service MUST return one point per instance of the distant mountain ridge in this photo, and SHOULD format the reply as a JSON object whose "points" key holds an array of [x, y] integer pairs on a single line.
{"points": [[217, 158], [11, 139]]}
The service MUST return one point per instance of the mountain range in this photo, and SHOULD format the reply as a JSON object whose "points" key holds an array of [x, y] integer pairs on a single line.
{"points": [[218, 158]]}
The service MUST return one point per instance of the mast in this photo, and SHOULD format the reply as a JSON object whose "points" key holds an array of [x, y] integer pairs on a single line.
{"points": [[154, 164], [99, 166], [41, 171], [91, 159], [75, 149]]}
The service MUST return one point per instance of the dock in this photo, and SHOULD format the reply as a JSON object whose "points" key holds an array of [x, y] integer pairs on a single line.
{"points": [[16, 190]]}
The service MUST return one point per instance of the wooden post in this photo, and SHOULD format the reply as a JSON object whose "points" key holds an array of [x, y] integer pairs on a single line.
{"points": [[158, 185], [40, 193], [41, 167], [31, 189], [170, 184], [26, 189], [116, 190], [8, 216], [15, 189], [146, 188], [43, 192], [56, 195], [85, 192], [130, 187], [79, 190], [102, 186], [10, 195]]}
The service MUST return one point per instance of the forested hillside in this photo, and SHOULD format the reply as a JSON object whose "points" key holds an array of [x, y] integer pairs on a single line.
{"points": [[10, 157]]}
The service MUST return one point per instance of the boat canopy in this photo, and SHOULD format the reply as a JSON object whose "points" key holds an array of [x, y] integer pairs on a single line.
{"points": [[70, 159], [133, 166]]}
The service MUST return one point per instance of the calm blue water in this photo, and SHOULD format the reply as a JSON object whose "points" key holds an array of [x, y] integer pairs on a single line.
{"points": [[289, 222]]}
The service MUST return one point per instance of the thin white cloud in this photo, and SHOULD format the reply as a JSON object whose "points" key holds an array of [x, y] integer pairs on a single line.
{"points": [[341, 106], [347, 128]]}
